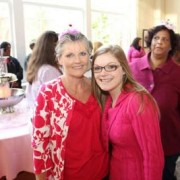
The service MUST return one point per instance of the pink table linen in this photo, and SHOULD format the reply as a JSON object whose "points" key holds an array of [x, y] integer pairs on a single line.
{"points": [[15, 141]]}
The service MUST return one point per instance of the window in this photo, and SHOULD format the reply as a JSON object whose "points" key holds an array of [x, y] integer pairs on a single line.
{"points": [[49, 18], [5, 27], [109, 21], [64, 3], [112, 23], [107, 28]]}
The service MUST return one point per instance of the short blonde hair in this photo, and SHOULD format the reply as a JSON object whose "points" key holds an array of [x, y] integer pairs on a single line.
{"points": [[71, 37]]}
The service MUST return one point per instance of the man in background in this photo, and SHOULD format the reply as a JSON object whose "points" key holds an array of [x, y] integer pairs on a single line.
{"points": [[13, 65], [31, 46]]}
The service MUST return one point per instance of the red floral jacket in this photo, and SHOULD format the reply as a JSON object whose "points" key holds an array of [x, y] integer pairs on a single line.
{"points": [[51, 121]]}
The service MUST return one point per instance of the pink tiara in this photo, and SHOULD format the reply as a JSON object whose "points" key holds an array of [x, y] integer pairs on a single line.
{"points": [[70, 31], [167, 23]]}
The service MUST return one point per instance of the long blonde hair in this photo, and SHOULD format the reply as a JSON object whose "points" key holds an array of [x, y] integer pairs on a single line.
{"points": [[119, 54]]}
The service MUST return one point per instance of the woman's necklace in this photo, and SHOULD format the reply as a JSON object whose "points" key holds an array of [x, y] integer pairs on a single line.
{"points": [[80, 92]]}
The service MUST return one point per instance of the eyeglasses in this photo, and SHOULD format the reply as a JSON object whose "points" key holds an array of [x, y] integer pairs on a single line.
{"points": [[107, 68], [163, 39]]}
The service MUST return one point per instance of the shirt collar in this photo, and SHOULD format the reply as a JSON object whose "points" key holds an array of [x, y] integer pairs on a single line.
{"points": [[165, 68], [144, 62]]}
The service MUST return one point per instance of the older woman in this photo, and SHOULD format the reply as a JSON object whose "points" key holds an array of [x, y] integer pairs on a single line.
{"points": [[158, 73], [66, 138]]}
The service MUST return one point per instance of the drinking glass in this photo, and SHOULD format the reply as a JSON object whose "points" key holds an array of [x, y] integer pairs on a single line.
{"points": [[3, 64]]}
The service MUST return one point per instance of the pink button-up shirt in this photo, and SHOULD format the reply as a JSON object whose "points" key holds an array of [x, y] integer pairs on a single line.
{"points": [[164, 84], [134, 138]]}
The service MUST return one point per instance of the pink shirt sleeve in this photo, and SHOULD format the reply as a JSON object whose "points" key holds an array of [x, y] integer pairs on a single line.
{"points": [[145, 122], [129, 54]]}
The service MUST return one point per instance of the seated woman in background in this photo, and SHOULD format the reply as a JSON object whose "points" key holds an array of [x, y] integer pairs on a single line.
{"points": [[136, 50], [42, 65]]}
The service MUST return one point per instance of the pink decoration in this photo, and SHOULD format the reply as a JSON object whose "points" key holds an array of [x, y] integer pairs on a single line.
{"points": [[168, 24], [70, 31]]}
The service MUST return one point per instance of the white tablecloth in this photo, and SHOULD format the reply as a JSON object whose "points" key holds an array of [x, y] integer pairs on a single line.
{"points": [[15, 141]]}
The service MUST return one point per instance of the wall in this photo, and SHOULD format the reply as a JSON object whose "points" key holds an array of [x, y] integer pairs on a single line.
{"points": [[150, 13], [173, 13]]}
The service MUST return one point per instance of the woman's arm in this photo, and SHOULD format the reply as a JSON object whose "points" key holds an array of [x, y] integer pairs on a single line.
{"points": [[41, 134], [145, 123], [129, 54]]}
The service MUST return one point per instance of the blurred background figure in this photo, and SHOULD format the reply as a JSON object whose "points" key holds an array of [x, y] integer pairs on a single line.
{"points": [[91, 47], [88, 72], [159, 74], [177, 52], [31, 46], [96, 45], [43, 65], [136, 50], [13, 65]]}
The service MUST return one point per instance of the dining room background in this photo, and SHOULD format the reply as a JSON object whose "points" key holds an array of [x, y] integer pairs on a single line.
{"points": [[108, 21]]}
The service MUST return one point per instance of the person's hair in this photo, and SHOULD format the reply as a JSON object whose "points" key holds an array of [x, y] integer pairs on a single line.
{"points": [[71, 36], [119, 54], [32, 44], [178, 42], [153, 31], [43, 53], [135, 43], [97, 45], [177, 49], [90, 46], [4, 45]]}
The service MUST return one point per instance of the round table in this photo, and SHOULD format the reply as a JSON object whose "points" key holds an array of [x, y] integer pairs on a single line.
{"points": [[15, 141]]}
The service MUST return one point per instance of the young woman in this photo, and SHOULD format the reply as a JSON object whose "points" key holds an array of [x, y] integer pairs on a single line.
{"points": [[131, 118]]}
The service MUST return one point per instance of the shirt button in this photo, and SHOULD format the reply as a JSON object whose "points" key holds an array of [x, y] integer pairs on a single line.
{"points": [[152, 85]]}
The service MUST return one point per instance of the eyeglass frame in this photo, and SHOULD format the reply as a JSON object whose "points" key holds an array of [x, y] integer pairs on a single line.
{"points": [[105, 68]]}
